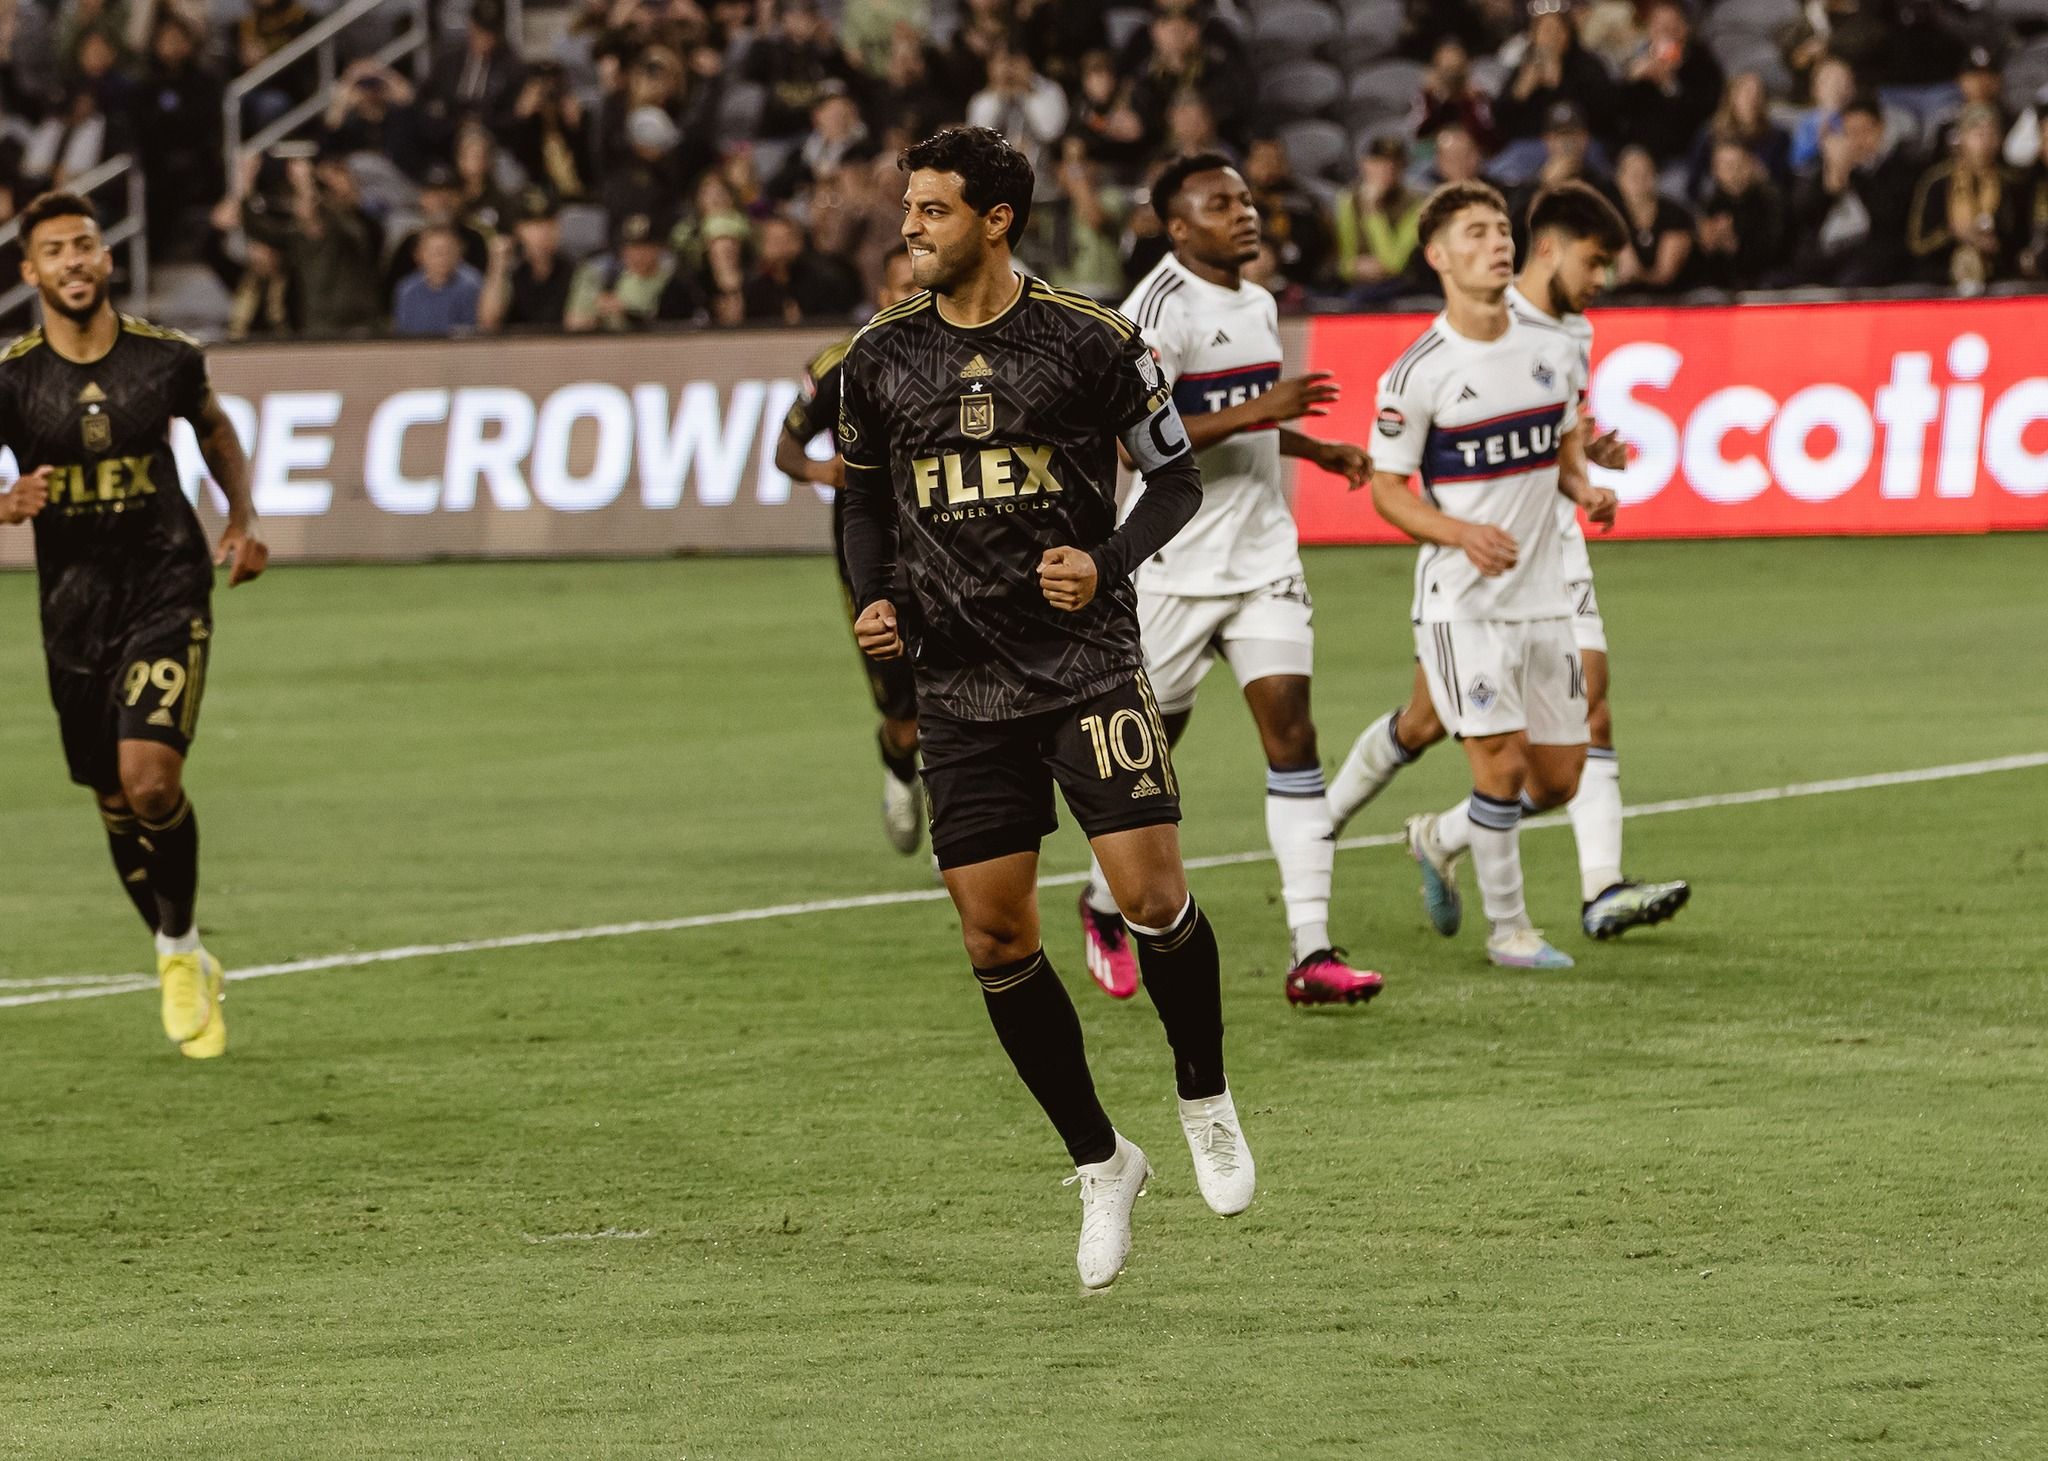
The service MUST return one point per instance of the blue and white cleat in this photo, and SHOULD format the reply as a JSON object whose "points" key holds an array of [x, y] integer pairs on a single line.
{"points": [[1526, 948], [1439, 876], [1629, 905]]}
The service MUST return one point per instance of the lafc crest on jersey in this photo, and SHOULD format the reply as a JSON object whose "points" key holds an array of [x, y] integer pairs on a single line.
{"points": [[95, 426], [977, 406]]}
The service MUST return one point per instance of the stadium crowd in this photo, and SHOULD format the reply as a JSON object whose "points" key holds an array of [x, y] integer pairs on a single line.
{"points": [[733, 161]]}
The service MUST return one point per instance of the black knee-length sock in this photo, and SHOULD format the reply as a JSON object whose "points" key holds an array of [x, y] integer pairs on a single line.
{"points": [[1184, 976], [1042, 1035], [172, 846], [131, 861]]}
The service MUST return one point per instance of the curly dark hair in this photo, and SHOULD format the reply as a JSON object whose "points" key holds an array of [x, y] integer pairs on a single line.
{"points": [[991, 171], [45, 206], [1174, 176], [1577, 210]]}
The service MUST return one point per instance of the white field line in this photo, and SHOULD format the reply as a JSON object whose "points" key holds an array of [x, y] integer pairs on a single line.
{"points": [[128, 983]]}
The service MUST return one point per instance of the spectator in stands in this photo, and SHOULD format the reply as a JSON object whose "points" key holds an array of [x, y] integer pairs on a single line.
{"points": [[371, 110], [479, 77], [1553, 67], [527, 286], [909, 94], [1376, 221], [1191, 127], [1850, 215], [983, 31], [1457, 158], [870, 30], [792, 282], [1611, 30], [440, 206], [658, 80], [441, 296], [793, 63], [1567, 157], [1056, 34], [1971, 213], [837, 137], [96, 65], [1289, 215], [176, 123], [1480, 26], [549, 135], [1084, 225], [712, 246], [1660, 241], [1834, 87], [1673, 86], [264, 305], [329, 244], [1027, 108], [1745, 116], [1742, 222], [1863, 34], [647, 179], [484, 205], [1449, 95], [1105, 119], [1980, 83], [266, 28], [1183, 65], [73, 139], [634, 286]]}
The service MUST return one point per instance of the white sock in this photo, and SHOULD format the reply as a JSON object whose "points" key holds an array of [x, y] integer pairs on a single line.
{"points": [[1454, 828], [1097, 892], [1375, 756], [1497, 860], [1596, 823], [1304, 842], [185, 943]]}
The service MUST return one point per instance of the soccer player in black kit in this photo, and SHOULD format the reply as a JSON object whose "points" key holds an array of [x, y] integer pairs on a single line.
{"points": [[979, 420], [126, 580], [812, 414]]}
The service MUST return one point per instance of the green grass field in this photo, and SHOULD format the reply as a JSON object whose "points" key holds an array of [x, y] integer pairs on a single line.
{"points": [[1765, 1182]]}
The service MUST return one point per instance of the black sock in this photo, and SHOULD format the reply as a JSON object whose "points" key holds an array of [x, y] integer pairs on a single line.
{"points": [[1184, 976], [172, 847], [903, 767], [124, 840], [1039, 1029]]}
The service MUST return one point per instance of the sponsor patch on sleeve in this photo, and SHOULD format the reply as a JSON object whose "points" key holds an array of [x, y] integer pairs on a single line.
{"points": [[1391, 422]]}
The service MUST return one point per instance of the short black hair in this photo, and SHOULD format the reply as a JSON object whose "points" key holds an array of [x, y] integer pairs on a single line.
{"points": [[1578, 211], [1867, 103], [1451, 199], [46, 206], [1173, 178], [991, 170]]}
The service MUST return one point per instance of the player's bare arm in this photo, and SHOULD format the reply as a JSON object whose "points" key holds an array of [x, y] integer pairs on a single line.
{"points": [[1599, 503], [799, 466], [1067, 577], [1339, 458], [876, 633], [1606, 450], [1299, 397], [26, 498], [1492, 550], [229, 465]]}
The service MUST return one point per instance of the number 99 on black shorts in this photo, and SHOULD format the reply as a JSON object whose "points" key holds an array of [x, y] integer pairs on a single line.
{"points": [[149, 691], [990, 783]]}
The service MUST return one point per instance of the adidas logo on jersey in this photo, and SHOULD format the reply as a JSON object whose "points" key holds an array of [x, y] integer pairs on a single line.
{"points": [[161, 717], [1221, 339], [976, 369], [1146, 787], [1468, 394]]}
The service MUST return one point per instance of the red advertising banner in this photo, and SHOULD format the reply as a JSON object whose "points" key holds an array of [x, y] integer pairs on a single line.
{"points": [[1771, 420]]}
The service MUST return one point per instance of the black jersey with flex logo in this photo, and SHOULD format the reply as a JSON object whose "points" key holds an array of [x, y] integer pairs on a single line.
{"points": [[993, 443], [119, 551]]}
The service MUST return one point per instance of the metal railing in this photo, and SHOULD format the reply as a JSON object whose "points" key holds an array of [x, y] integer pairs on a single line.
{"points": [[319, 42], [131, 230]]}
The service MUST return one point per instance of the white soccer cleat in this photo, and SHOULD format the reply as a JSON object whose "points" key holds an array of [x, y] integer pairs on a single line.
{"points": [[1223, 1162], [1526, 948], [902, 812], [1108, 1192], [1440, 898]]}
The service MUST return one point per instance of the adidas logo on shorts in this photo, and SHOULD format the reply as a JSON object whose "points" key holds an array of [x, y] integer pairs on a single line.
{"points": [[1146, 787], [161, 717]]}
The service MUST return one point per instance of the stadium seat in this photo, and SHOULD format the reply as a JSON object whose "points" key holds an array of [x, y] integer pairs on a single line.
{"points": [[1760, 54], [1384, 92], [1301, 88], [584, 230], [1318, 148], [1122, 23], [2026, 72], [1763, 18], [1293, 28], [740, 107]]}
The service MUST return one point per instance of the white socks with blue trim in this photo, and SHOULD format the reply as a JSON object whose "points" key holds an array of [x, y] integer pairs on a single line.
{"points": [[1596, 823], [1304, 839]]}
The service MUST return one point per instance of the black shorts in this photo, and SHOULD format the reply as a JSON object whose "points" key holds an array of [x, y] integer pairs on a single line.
{"points": [[149, 692], [890, 682], [990, 782]]}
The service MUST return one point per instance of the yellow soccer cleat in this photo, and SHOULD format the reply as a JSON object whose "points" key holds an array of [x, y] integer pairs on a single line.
{"points": [[187, 1002], [213, 1040]]}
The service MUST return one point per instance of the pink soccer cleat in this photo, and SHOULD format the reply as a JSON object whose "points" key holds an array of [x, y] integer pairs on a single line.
{"points": [[1110, 960], [1324, 978]]}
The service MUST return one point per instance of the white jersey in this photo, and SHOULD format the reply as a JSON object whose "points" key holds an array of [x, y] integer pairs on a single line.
{"points": [[1577, 566], [1484, 423], [1219, 347]]}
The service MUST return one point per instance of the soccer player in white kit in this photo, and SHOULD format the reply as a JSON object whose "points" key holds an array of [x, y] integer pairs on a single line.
{"points": [[1574, 235], [1485, 407], [1230, 583]]}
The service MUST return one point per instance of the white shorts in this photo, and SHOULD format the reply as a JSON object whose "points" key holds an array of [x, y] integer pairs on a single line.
{"points": [[1264, 632], [1489, 677]]}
